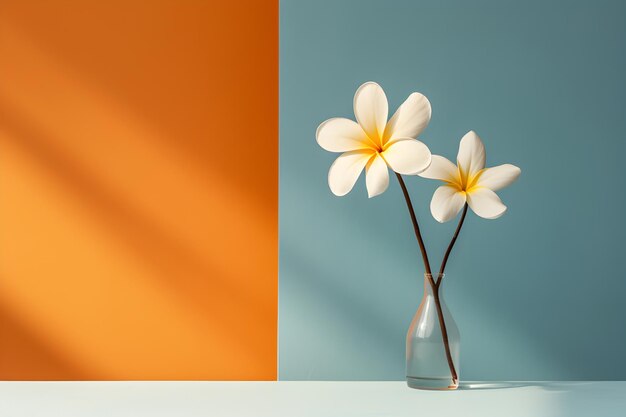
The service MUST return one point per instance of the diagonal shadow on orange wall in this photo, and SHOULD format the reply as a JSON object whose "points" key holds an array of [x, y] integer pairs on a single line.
{"points": [[136, 260], [202, 73], [184, 269], [21, 344]]}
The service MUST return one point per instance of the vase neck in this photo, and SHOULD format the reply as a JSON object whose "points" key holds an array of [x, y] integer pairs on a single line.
{"points": [[428, 289]]}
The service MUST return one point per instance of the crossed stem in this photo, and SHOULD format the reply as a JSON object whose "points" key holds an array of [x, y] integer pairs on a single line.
{"points": [[435, 284]]}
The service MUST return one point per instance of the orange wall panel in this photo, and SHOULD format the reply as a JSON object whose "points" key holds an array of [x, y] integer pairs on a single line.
{"points": [[138, 189]]}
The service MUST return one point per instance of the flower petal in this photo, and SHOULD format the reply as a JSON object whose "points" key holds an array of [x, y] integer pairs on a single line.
{"points": [[410, 119], [485, 203], [498, 177], [471, 157], [376, 177], [341, 135], [346, 169], [441, 169], [371, 110], [446, 203], [407, 156]]}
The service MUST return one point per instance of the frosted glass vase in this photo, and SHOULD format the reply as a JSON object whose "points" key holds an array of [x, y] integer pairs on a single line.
{"points": [[430, 364]]}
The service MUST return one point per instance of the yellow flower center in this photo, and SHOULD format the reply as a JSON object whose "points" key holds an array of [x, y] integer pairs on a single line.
{"points": [[465, 182], [376, 144]]}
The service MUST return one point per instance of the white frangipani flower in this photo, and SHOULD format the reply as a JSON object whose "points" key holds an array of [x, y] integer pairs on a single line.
{"points": [[470, 182], [375, 143]]}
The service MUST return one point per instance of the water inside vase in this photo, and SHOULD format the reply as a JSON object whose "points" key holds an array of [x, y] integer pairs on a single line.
{"points": [[427, 365]]}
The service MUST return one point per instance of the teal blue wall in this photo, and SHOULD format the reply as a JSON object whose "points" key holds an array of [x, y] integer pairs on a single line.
{"points": [[538, 294]]}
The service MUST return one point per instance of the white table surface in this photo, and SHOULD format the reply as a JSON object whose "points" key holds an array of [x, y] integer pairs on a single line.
{"points": [[293, 399]]}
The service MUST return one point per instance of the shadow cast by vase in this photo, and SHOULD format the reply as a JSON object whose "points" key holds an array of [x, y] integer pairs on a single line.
{"points": [[493, 385], [555, 386]]}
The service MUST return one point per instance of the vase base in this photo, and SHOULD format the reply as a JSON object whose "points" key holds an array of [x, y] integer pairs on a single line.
{"points": [[440, 384]]}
